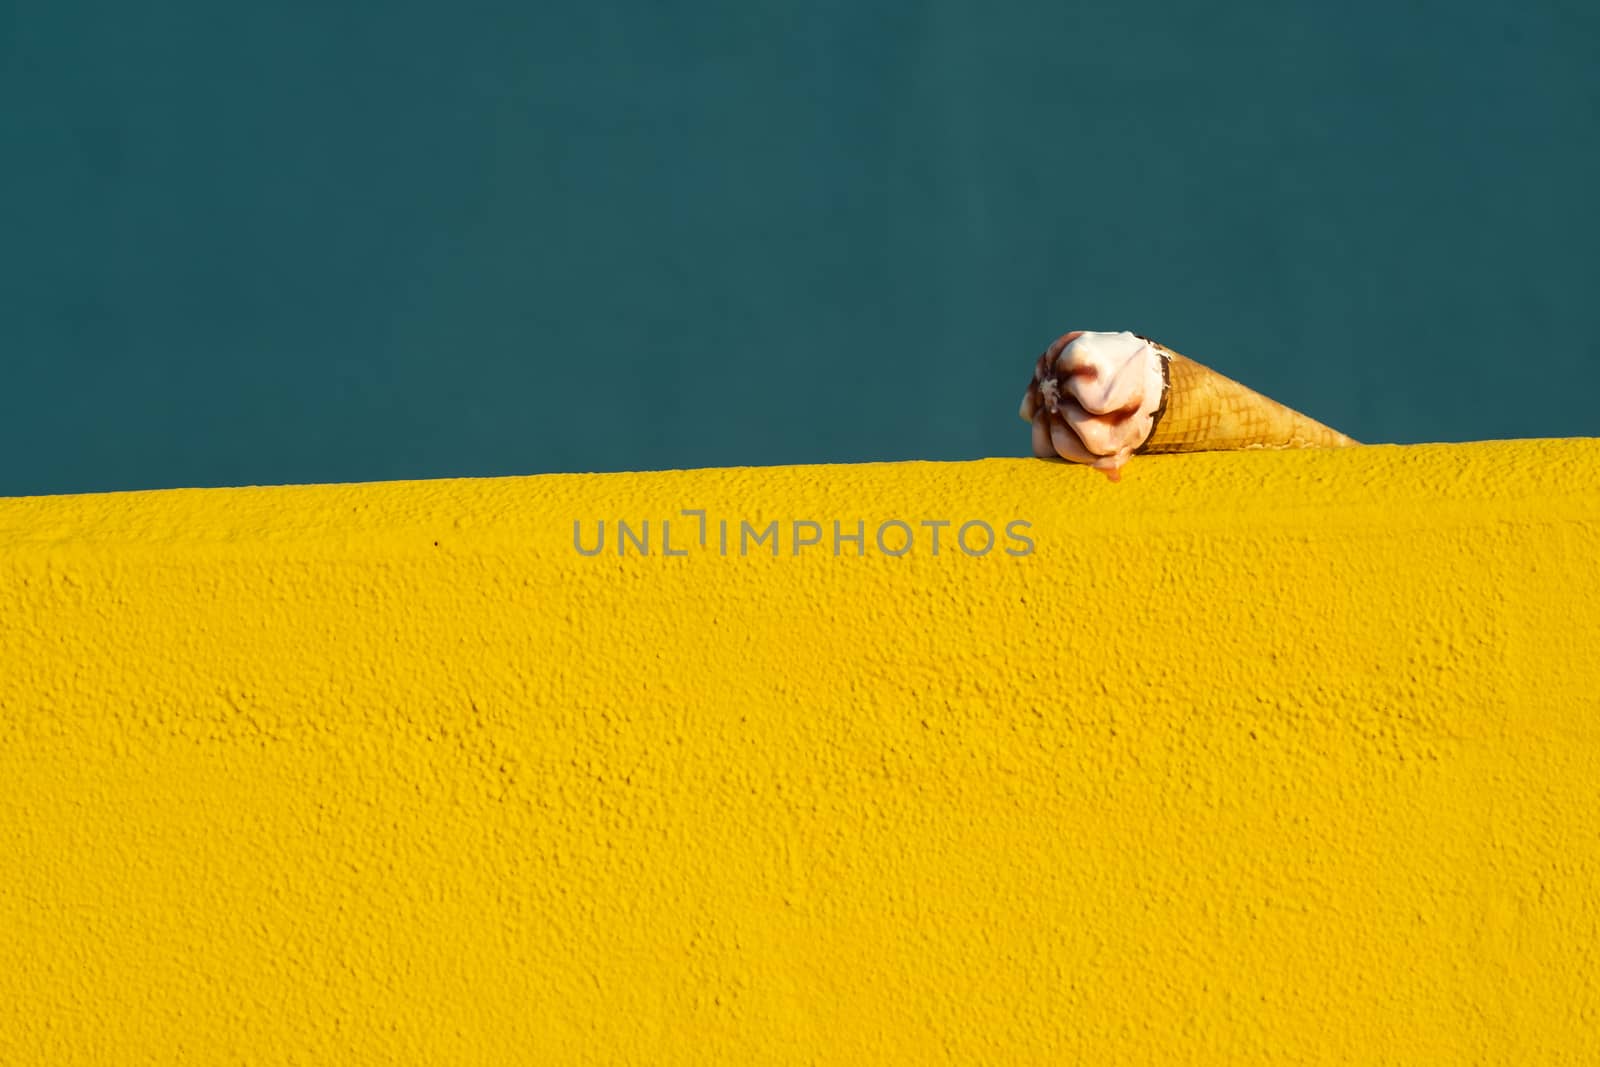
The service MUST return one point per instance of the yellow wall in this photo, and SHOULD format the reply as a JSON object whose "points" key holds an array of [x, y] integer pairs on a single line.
{"points": [[1289, 757]]}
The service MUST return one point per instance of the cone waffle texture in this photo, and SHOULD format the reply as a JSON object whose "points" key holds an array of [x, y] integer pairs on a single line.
{"points": [[1207, 412]]}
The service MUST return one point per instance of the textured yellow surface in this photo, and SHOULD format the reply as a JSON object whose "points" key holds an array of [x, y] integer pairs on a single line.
{"points": [[1288, 757]]}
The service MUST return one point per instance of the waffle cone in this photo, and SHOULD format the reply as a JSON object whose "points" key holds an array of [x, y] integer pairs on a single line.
{"points": [[1204, 411]]}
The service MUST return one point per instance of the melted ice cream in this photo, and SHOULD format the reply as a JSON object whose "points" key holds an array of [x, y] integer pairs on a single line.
{"points": [[1094, 397]]}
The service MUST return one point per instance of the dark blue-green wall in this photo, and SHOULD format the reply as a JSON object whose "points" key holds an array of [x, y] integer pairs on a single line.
{"points": [[293, 242]]}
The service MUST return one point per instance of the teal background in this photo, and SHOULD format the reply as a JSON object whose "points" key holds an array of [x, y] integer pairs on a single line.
{"points": [[294, 242]]}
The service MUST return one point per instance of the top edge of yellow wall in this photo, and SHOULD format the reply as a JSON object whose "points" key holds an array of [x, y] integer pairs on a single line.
{"points": [[1553, 473]]}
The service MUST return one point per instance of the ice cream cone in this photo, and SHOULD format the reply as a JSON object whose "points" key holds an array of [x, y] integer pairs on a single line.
{"points": [[1203, 411], [1099, 398]]}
